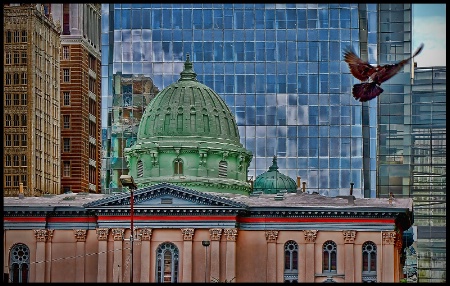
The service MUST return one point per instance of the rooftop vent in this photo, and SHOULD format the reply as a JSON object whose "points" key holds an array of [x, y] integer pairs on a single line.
{"points": [[256, 193], [279, 197]]}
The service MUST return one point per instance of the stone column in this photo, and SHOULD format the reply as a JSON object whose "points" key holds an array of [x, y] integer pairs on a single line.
{"points": [[215, 234], [102, 237], [145, 235], [349, 255], [118, 273], [188, 234], [80, 236], [387, 259], [310, 238], [230, 265], [42, 256], [271, 264]]}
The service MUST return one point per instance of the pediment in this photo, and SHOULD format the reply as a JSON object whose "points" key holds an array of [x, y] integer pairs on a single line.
{"points": [[165, 195]]}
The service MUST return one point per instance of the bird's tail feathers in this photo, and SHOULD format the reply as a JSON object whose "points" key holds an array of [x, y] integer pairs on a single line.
{"points": [[366, 91]]}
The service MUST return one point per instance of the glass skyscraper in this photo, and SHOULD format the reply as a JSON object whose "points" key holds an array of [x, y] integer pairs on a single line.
{"points": [[278, 67]]}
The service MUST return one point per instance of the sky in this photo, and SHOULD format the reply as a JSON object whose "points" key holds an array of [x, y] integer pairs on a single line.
{"points": [[429, 28]]}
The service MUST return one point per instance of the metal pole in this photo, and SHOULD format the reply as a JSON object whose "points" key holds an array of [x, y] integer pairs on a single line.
{"points": [[206, 261], [132, 232]]}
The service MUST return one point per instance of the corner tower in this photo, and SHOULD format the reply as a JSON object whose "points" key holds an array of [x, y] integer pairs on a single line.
{"points": [[189, 137]]}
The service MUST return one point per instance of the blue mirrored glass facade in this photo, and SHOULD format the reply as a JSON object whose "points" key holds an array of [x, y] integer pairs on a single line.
{"points": [[278, 67]]}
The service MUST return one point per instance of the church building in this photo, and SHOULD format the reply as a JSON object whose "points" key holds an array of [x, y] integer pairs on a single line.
{"points": [[192, 215]]}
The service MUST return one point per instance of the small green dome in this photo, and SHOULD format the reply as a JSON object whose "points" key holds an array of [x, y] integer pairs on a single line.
{"points": [[272, 181], [188, 108]]}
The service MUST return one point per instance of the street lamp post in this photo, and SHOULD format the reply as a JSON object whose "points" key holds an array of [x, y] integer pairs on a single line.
{"points": [[128, 181], [205, 243]]}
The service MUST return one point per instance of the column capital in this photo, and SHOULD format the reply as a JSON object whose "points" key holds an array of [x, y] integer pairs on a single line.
{"points": [[80, 234], [43, 235], [271, 235], [144, 233], [349, 236], [102, 233], [389, 237], [231, 233], [188, 233], [118, 233], [215, 233], [310, 235]]}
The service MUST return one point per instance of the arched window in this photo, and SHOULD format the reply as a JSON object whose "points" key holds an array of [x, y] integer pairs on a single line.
{"points": [[291, 261], [19, 261], [369, 259], [7, 120], [223, 169], [178, 166], [140, 169], [329, 256], [167, 263]]}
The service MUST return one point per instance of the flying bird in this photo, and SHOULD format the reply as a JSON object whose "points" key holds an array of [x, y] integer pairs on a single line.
{"points": [[371, 76]]}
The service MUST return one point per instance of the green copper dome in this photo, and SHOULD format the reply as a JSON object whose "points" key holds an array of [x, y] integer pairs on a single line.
{"points": [[272, 181], [189, 137], [189, 108]]}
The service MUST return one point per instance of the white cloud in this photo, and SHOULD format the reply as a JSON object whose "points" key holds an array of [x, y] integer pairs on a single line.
{"points": [[432, 32]]}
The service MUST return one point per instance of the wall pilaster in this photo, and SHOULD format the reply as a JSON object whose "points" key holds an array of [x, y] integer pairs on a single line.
{"points": [[215, 234], [118, 273], [188, 234], [349, 258], [310, 239], [102, 237], [43, 254], [387, 262], [230, 267], [145, 235], [271, 238], [80, 236]]}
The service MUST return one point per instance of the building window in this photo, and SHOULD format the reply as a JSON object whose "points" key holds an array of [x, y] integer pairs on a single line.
{"points": [[24, 160], [291, 261], [66, 145], [16, 120], [91, 85], [24, 78], [329, 256], [8, 37], [24, 120], [16, 161], [16, 58], [24, 179], [7, 120], [8, 160], [223, 169], [16, 99], [66, 121], [66, 52], [66, 98], [140, 169], [8, 58], [8, 99], [167, 263], [24, 58], [16, 79], [7, 79], [66, 19], [24, 36], [178, 166], [19, 263], [66, 74], [24, 139], [24, 99], [66, 171], [16, 37], [7, 181], [8, 140], [369, 257], [16, 139]]}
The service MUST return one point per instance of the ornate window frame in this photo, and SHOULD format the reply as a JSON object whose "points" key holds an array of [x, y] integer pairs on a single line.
{"points": [[167, 263], [290, 261], [329, 257], [369, 262], [19, 263]]}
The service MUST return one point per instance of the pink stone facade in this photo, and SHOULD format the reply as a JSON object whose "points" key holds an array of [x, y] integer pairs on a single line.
{"points": [[103, 254]]}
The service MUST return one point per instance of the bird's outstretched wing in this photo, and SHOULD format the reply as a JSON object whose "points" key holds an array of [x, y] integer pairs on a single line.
{"points": [[387, 71], [366, 91], [360, 69]]}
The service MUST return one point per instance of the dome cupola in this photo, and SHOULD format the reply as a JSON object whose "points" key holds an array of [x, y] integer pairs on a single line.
{"points": [[272, 181], [188, 136]]}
